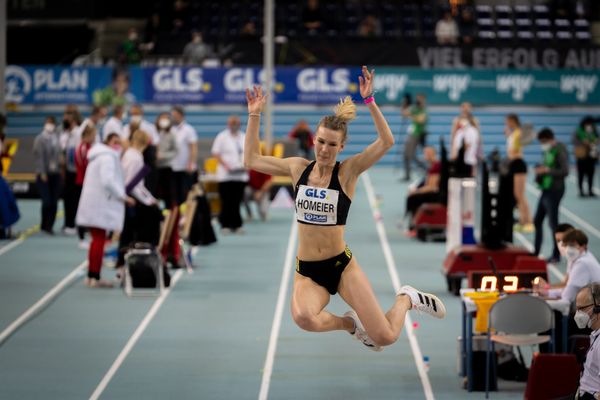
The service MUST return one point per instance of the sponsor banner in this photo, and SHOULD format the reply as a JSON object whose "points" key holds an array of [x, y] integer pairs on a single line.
{"points": [[488, 87], [51, 85], [320, 85]]}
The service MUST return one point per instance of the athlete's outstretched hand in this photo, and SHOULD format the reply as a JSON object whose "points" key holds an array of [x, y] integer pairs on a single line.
{"points": [[366, 82], [256, 99]]}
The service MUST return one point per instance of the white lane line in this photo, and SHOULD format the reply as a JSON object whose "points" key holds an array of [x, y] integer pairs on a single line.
{"points": [[530, 247], [11, 245], [389, 258], [582, 223], [285, 277], [16, 324], [135, 337]]}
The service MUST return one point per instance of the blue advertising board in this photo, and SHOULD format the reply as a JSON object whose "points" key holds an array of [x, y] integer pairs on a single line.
{"points": [[310, 85]]}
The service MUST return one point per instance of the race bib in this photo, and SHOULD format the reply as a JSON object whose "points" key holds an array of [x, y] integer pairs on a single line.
{"points": [[316, 206]]}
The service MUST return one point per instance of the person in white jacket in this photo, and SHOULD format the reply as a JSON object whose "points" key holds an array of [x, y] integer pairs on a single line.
{"points": [[142, 222], [102, 203]]}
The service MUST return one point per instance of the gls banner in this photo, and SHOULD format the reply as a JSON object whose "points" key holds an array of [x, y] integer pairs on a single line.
{"points": [[228, 85], [311, 85]]}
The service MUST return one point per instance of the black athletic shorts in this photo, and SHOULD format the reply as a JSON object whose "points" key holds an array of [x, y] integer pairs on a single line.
{"points": [[518, 166], [326, 273]]}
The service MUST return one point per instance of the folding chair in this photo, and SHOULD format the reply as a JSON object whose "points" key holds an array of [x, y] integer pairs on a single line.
{"points": [[517, 319], [552, 376]]}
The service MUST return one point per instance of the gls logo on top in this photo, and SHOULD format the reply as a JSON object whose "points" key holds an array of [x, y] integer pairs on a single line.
{"points": [[47, 84], [317, 194]]}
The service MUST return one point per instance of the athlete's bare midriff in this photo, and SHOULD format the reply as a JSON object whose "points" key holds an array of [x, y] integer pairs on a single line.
{"points": [[317, 243]]}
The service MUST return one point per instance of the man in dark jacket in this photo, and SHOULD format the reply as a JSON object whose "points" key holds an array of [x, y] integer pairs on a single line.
{"points": [[550, 176]]}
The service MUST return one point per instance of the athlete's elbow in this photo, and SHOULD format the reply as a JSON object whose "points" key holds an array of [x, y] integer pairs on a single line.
{"points": [[388, 143], [248, 162]]}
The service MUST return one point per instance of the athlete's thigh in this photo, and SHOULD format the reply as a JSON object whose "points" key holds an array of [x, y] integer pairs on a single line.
{"points": [[356, 290], [308, 297], [520, 181]]}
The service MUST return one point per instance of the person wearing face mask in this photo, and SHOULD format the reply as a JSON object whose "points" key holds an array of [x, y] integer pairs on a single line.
{"points": [[228, 149], [137, 121], [166, 151], [102, 203], [585, 142], [115, 124], [588, 316], [417, 131], [559, 233], [550, 176], [46, 153], [583, 268], [69, 140]]}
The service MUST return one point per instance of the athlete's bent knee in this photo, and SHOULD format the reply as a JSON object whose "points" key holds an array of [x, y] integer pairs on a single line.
{"points": [[305, 320], [385, 338]]}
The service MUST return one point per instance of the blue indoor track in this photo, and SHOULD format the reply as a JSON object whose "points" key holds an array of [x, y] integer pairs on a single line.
{"points": [[208, 338]]}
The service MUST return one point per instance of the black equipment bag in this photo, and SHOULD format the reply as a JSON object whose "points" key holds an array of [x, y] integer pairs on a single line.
{"points": [[144, 267]]}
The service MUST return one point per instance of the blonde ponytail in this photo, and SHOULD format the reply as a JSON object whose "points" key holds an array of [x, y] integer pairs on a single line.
{"points": [[345, 110]]}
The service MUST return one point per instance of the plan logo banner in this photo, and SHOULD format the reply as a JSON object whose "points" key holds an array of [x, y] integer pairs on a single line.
{"points": [[52, 85]]}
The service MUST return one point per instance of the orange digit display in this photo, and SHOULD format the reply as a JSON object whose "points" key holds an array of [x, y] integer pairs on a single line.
{"points": [[492, 281], [513, 283]]}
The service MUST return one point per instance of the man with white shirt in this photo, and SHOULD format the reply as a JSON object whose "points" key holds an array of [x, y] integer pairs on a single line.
{"points": [[228, 149], [115, 123], [184, 164], [468, 136], [587, 315], [136, 118], [96, 118], [69, 140]]}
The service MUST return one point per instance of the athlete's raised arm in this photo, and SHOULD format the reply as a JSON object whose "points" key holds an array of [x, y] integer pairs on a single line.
{"points": [[385, 140], [252, 157]]}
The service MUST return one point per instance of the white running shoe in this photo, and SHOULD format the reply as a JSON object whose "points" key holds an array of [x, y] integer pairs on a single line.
{"points": [[424, 302], [360, 333]]}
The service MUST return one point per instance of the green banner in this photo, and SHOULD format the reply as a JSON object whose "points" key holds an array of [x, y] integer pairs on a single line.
{"points": [[561, 87]]}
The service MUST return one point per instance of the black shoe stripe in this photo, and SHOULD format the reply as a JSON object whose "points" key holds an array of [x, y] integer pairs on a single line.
{"points": [[427, 300], [420, 297], [434, 305]]}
